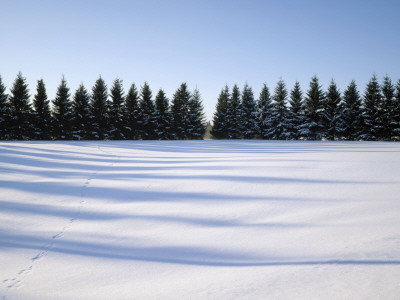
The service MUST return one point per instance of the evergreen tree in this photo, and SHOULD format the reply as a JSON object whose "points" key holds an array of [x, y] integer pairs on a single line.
{"points": [[20, 127], [296, 113], [4, 113], [133, 116], [332, 112], [196, 116], [387, 109], [100, 110], [312, 129], [220, 121], [62, 113], [163, 116], [81, 117], [279, 118], [249, 127], [117, 111], [395, 121], [42, 114], [350, 122], [233, 114], [148, 110], [180, 112], [264, 113], [371, 105]]}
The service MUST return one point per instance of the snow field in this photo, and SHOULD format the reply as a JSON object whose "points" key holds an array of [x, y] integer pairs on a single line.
{"points": [[199, 219]]}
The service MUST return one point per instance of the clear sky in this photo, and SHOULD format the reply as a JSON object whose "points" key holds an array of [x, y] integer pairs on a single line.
{"points": [[205, 43]]}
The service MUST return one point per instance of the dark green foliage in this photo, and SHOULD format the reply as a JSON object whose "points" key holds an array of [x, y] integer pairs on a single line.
{"points": [[81, 116], [62, 113], [42, 114], [296, 113], [4, 113], [220, 121], [133, 117], [100, 110], [21, 125], [264, 112], [350, 122], [233, 118], [163, 116], [116, 113], [180, 112], [249, 126], [313, 127], [279, 129], [395, 121], [371, 107], [386, 110], [196, 127], [331, 113], [148, 126]]}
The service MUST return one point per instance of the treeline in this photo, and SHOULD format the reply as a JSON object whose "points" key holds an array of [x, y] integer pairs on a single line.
{"points": [[98, 115], [316, 115]]}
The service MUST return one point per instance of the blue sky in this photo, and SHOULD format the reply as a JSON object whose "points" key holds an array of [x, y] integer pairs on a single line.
{"points": [[205, 43]]}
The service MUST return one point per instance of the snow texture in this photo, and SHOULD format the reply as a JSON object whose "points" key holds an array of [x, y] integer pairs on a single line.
{"points": [[199, 220]]}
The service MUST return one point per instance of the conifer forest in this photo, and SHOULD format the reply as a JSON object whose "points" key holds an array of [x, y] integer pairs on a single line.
{"points": [[282, 114]]}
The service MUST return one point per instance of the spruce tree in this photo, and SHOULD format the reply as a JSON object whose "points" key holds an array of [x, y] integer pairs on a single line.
{"points": [[163, 116], [249, 126], [220, 121], [180, 112], [395, 121], [21, 127], [133, 116], [100, 110], [371, 105], [146, 104], [312, 129], [4, 113], [331, 112], [196, 127], [386, 111], [296, 112], [62, 113], [81, 117], [233, 114], [279, 119], [264, 113], [350, 122], [42, 113], [116, 113]]}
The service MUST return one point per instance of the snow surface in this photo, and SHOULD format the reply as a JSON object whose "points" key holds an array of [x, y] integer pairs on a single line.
{"points": [[199, 220]]}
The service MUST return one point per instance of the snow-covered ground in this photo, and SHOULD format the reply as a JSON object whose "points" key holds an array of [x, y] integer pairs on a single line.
{"points": [[199, 220]]}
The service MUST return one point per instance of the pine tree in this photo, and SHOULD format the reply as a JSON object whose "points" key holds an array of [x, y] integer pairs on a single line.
{"points": [[233, 114], [163, 116], [4, 113], [116, 112], [62, 113], [312, 129], [42, 113], [371, 105], [21, 127], [350, 122], [387, 109], [180, 112], [133, 116], [296, 113], [395, 121], [81, 117], [100, 110], [331, 112], [220, 121], [279, 118], [196, 116], [264, 113], [249, 127], [148, 110]]}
